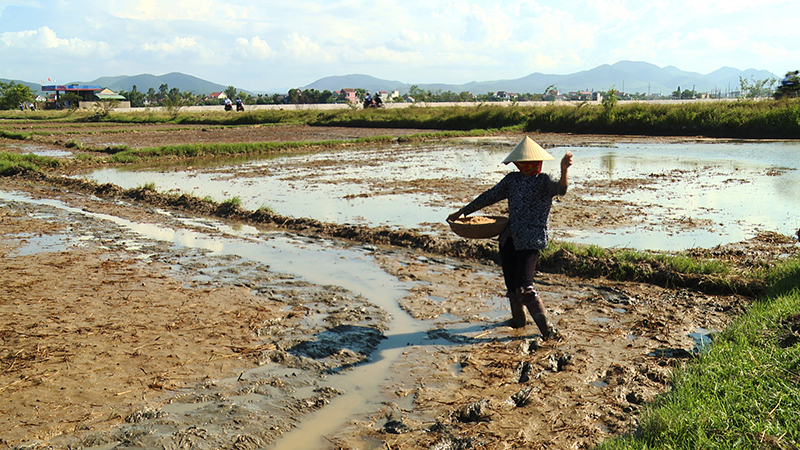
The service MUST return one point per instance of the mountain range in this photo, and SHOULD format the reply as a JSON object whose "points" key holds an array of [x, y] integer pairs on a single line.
{"points": [[624, 76]]}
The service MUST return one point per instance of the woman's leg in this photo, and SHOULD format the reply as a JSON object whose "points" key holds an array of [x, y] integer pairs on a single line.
{"points": [[526, 269], [508, 260]]}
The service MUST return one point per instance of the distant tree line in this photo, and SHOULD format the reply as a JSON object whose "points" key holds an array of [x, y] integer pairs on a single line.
{"points": [[13, 94]]}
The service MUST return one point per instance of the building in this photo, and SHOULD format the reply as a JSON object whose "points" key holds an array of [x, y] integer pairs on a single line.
{"points": [[349, 95], [85, 92]]}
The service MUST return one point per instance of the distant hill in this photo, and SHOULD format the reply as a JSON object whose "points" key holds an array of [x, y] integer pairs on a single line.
{"points": [[35, 87], [627, 76], [366, 82], [144, 82]]}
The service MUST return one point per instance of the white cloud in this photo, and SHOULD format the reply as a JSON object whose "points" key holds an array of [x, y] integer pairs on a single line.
{"points": [[305, 50], [176, 45], [254, 48], [34, 41]]}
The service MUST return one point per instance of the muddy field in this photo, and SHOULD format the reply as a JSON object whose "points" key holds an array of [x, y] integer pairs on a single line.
{"points": [[114, 337]]}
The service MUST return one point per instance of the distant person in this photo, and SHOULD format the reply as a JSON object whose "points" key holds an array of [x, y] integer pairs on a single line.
{"points": [[228, 104], [239, 105], [530, 195]]}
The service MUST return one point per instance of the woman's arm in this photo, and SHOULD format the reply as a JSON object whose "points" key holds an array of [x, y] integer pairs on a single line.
{"points": [[566, 161], [489, 197]]}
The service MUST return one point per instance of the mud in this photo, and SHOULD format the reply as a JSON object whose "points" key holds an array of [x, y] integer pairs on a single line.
{"points": [[111, 339]]}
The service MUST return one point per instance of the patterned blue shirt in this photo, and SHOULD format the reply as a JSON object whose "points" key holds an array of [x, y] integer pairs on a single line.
{"points": [[529, 202]]}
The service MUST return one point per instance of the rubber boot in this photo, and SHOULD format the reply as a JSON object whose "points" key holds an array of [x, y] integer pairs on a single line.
{"points": [[531, 300], [517, 311]]}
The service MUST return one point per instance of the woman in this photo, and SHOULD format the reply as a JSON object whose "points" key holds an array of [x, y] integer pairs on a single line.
{"points": [[530, 195]]}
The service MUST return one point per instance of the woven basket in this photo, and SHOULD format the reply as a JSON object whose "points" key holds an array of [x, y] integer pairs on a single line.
{"points": [[491, 226]]}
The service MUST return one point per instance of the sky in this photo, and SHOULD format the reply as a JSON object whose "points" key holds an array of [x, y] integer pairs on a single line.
{"points": [[280, 44]]}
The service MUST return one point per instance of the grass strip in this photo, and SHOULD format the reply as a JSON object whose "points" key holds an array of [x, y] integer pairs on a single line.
{"points": [[667, 270], [127, 155], [741, 119], [744, 392], [227, 149], [15, 135], [14, 163]]}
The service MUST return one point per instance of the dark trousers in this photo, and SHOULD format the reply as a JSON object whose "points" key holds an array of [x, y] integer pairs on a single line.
{"points": [[519, 266], [519, 270]]}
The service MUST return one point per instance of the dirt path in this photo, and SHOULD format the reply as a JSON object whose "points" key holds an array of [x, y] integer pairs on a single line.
{"points": [[113, 338]]}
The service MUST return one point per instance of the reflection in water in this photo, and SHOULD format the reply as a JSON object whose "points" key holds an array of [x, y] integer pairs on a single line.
{"points": [[607, 162], [693, 194]]}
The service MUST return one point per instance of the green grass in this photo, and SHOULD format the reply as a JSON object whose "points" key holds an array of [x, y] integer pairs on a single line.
{"points": [[742, 119], [233, 201], [266, 209], [626, 258], [14, 163], [15, 135], [744, 392]]}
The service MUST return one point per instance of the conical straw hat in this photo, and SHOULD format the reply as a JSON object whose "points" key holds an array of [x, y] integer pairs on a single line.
{"points": [[527, 150]]}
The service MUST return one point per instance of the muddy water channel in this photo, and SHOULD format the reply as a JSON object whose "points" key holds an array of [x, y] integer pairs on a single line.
{"points": [[633, 195]]}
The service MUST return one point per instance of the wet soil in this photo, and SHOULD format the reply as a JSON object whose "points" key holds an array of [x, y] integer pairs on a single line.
{"points": [[112, 340]]}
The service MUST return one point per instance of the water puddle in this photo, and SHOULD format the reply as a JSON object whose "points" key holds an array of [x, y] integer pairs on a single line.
{"points": [[40, 150], [31, 244], [702, 339], [680, 185]]}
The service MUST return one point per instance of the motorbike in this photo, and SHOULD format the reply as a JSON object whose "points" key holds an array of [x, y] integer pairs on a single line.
{"points": [[373, 103], [228, 107], [239, 107], [789, 88]]}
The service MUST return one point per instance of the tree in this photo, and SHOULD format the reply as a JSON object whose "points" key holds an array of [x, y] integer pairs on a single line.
{"points": [[12, 94], [135, 97], [230, 92], [71, 100], [753, 88], [103, 107], [551, 92], [293, 96], [174, 94], [173, 102], [163, 90], [418, 94]]}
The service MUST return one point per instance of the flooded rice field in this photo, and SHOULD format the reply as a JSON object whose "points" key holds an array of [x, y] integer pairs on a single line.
{"points": [[126, 325], [649, 196]]}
